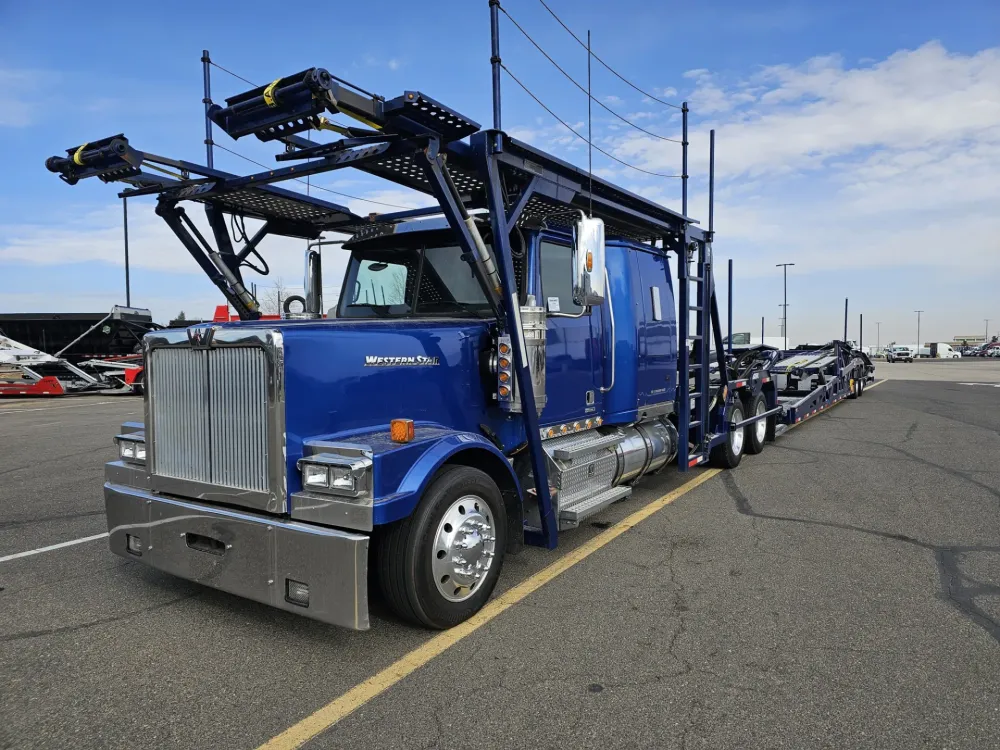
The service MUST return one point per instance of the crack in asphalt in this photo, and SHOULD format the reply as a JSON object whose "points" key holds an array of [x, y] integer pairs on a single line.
{"points": [[955, 588], [46, 519], [28, 634]]}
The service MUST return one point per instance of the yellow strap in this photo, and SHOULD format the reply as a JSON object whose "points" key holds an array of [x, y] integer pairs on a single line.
{"points": [[269, 99], [361, 119], [77, 157]]}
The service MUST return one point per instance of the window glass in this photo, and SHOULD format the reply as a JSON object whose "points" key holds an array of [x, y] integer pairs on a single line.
{"points": [[447, 283], [557, 278], [378, 286], [399, 282]]}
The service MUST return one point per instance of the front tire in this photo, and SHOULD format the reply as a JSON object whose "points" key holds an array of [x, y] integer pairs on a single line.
{"points": [[439, 566], [729, 453]]}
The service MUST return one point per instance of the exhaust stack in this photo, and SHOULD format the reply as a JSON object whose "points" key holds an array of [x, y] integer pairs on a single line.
{"points": [[313, 283]]}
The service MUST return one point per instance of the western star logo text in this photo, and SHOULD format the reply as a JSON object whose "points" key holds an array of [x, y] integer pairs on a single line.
{"points": [[418, 361]]}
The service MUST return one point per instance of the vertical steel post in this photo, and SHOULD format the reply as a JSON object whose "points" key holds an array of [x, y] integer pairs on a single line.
{"points": [[918, 330], [878, 335], [495, 59], [206, 74], [729, 306], [711, 183], [128, 286], [845, 319], [511, 318], [684, 158], [784, 306], [861, 329], [987, 337], [762, 330]]}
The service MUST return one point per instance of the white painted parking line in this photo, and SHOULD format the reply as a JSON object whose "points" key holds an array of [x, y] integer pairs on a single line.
{"points": [[9, 410], [51, 547], [988, 385]]}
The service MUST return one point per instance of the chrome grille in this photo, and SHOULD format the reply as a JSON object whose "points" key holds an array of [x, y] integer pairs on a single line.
{"points": [[209, 415]]}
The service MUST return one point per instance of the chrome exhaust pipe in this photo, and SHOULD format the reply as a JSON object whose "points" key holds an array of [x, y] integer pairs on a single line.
{"points": [[313, 283]]}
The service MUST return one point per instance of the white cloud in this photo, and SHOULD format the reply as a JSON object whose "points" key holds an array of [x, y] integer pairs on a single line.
{"points": [[19, 106], [877, 166]]}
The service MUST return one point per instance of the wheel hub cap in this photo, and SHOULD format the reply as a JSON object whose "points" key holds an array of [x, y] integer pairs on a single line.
{"points": [[736, 436], [464, 548], [761, 424]]}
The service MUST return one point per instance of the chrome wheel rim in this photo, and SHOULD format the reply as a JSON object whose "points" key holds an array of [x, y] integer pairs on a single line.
{"points": [[760, 426], [464, 548], [736, 436]]}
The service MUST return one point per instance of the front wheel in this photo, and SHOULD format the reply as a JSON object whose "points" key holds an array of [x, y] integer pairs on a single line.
{"points": [[439, 566], [729, 453]]}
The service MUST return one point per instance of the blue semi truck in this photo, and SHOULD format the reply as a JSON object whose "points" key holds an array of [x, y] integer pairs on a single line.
{"points": [[500, 367]]}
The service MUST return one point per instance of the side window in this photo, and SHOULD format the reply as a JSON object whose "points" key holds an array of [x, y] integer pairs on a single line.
{"points": [[557, 278], [374, 285]]}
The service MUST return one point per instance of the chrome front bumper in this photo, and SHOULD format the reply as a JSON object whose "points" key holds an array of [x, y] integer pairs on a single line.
{"points": [[249, 555]]}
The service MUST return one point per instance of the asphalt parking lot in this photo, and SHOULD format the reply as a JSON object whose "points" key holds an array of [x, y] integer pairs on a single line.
{"points": [[840, 590]]}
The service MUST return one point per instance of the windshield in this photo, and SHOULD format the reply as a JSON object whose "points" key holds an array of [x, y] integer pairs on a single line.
{"points": [[404, 282]]}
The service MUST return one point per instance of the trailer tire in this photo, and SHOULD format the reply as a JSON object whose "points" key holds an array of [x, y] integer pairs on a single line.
{"points": [[461, 506], [729, 453], [756, 433], [861, 386]]}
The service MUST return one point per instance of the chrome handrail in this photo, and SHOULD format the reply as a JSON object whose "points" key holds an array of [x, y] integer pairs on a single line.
{"points": [[611, 316]]}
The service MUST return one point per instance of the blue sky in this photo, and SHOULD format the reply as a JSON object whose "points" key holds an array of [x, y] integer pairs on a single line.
{"points": [[859, 140]]}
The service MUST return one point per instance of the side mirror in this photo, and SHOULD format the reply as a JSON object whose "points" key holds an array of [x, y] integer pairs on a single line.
{"points": [[588, 261]]}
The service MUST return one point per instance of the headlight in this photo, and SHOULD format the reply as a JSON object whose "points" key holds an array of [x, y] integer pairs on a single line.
{"points": [[131, 448], [342, 478], [315, 476], [336, 474]]}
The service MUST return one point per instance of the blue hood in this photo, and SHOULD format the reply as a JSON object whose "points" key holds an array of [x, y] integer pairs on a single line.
{"points": [[344, 376]]}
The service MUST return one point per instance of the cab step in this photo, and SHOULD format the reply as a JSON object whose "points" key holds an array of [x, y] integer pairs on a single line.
{"points": [[571, 516]]}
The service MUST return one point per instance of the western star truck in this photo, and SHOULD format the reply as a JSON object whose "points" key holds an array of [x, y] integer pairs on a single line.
{"points": [[501, 366]]}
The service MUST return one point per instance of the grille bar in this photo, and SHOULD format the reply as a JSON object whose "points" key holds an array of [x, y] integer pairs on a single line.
{"points": [[209, 414]]}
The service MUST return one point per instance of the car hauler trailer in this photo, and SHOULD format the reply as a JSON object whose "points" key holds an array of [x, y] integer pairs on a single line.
{"points": [[26, 371], [502, 365]]}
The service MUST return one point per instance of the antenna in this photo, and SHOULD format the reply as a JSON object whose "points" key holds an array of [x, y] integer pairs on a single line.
{"points": [[590, 133]]}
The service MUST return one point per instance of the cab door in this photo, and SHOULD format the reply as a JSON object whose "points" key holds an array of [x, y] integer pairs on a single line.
{"points": [[573, 346]]}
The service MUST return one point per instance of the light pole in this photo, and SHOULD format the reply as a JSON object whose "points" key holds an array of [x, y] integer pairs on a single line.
{"points": [[918, 330], [878, 335], [784, 307], [987, 339]]}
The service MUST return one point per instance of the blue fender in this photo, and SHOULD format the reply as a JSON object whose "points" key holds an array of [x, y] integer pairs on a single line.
{"points": [[439, 452]]}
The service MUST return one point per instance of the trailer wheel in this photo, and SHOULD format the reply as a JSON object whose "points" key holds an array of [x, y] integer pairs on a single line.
{"points": [[861, 386], [439, 566], [756, 433], [729, 453]]}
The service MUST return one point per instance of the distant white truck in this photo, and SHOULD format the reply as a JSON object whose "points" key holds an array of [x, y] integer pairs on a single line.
{"points": [[940, 351]]}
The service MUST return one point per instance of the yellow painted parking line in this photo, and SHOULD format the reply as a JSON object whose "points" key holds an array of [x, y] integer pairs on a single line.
{"points": [[339, 708]]}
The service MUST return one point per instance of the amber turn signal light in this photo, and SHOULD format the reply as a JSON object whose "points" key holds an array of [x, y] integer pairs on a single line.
{"points": [[401, 430]]}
